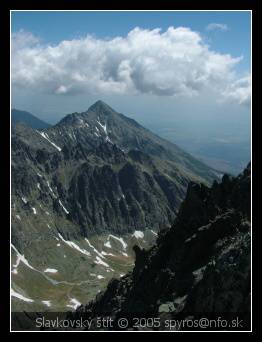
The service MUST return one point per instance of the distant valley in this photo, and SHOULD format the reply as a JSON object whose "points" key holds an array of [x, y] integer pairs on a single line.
{"points": [[225, 151]]}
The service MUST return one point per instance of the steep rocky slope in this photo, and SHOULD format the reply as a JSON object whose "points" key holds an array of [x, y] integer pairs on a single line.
{"points": [[200, 265], [98, 171]]}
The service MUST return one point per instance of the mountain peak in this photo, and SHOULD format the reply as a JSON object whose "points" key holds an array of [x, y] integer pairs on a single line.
{"points": [[101, 107]]}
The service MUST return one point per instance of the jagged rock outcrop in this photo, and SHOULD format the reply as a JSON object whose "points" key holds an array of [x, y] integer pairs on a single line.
{"points": [[200, 265]]}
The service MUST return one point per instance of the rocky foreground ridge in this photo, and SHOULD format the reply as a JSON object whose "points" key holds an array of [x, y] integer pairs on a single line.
{"points": [[200, 265]]}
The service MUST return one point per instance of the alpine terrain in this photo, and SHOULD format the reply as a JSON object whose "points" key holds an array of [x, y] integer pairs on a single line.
{"points": [[90, 188]]}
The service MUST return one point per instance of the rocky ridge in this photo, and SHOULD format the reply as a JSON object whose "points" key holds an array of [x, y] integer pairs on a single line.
{"points": [[201, 265]]}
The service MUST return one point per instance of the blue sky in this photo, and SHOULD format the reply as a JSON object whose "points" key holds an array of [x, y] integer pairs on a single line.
{"points": [[189, 83]]}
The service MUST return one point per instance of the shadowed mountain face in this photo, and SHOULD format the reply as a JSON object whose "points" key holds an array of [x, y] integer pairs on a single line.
{"points": [[200, 265], [27, 119], [92, 176]]}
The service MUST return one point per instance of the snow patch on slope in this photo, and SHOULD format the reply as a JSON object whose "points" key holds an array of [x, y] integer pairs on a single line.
{"points": [[45, 135], [107, 254], [100, 277], [121, 240], [103, 126], [138, 234], [21, 297], [46, 302], [74, 303], [108, 244], [65, 210], [51, 190], [74, 246], [20, 258], [24, 200], [94, 249], [50, 270]]}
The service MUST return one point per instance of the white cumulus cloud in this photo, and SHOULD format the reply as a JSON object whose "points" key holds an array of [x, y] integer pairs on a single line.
{"points": [[170, 63], [217, 26], [23, 39], [239, 91]]}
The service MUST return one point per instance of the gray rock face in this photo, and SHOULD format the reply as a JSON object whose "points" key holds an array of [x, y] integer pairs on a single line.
{"points": [[97, 171], [200, 265]]}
